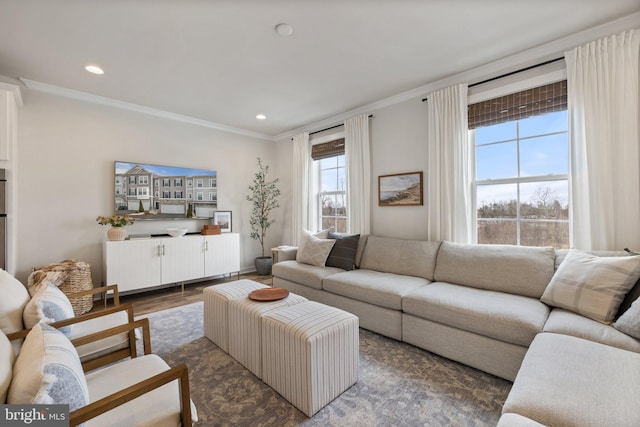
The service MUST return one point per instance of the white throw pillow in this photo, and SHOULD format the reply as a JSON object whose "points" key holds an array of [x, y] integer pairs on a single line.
{"points": [[316, 251], [7, 358], [48, 304], [592, 286], [629, 322], [48, 371], [13, 298], [305, 236]]}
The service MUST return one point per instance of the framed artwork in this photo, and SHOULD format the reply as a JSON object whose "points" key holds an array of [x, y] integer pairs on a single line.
{"points": [[401, 189], [223, 219]]}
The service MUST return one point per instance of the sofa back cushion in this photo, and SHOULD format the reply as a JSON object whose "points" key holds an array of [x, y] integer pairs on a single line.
{"points": [[519, 270], [409, 257]]}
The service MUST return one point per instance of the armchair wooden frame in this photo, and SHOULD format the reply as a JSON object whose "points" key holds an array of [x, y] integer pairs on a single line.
{"points": [[101, 406]]}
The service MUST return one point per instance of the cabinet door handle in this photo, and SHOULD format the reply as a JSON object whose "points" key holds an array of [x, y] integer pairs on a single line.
{"points": [[158, 251], [163, 250], [206, 245]]}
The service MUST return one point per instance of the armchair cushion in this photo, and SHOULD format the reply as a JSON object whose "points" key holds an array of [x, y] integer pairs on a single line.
{"points": [[158, 408], [14, 298], [48, 304], [6, 366], [98, 348], [48, 371]]}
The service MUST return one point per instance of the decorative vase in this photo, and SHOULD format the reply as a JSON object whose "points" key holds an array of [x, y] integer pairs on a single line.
{"points": [[117, 233]]}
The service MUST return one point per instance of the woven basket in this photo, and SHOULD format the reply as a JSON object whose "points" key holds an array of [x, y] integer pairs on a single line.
{"points": [[74, 276]]}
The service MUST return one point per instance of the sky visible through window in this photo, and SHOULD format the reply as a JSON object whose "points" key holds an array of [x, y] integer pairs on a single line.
{"points": [[497, 156]]}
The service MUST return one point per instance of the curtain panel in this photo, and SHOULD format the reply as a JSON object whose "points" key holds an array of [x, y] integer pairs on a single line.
{"points": [[450, 173], [604, 177], [358, 160], [301, 186]]}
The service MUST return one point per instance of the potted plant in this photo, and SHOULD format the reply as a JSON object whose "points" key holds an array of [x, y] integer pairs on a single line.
{"points": [[117, 223], [264, 198]]}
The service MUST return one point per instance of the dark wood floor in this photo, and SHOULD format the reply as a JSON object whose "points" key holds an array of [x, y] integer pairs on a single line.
{"points": [[161, 299]]}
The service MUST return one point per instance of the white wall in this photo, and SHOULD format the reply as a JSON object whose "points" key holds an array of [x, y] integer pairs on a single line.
{"points": [[398, 135], [66, 152]]}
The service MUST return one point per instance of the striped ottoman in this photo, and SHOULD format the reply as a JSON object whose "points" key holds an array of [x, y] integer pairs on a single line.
{"points": [[245, 328], [310, 354], [216, 312]]}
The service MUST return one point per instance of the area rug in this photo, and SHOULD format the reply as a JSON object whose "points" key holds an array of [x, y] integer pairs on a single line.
{"points": [[398, 385]]}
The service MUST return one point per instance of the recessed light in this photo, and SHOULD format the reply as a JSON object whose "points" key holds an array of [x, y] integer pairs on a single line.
{"points": [[94, 69], [261, 117], [284, 29]]}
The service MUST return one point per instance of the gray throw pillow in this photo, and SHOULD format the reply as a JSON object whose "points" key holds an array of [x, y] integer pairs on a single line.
{"points": [[343, 254], [629, 322]]}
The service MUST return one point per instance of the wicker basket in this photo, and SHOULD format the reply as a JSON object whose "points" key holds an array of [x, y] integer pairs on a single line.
{"points": [[75, 276]]}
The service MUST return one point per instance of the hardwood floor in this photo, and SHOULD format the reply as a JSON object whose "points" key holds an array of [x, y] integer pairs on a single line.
{"points": [[161, 299]]}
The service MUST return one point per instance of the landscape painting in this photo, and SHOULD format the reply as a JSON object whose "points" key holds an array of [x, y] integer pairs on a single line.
{"points": [[403, 189]]}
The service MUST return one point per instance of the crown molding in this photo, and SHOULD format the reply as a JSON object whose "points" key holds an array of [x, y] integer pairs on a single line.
{"points": [[532, 56], [87, 97]]}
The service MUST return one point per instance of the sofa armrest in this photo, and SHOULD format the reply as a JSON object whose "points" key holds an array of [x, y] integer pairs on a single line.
{"points": [[284, 253]]}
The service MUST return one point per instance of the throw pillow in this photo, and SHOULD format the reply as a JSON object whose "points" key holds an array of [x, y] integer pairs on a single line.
{"points": [[592, 286], [48, 304], [305, 235], [48, 371], [629, 322], [7, 357], [38, 276], [343, 254], [316, 251], [13, 298]]}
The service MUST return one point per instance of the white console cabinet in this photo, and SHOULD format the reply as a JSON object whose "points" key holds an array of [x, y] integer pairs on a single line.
{"points": [[139, 264]]}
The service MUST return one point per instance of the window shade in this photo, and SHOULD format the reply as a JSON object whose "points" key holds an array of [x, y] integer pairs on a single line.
{"points": [[327, 149], [520, 105]]}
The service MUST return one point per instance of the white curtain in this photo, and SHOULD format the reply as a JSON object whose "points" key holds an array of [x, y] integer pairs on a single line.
{"points": [[358, 159], [450, 173], [301, 186], [602, 84]]}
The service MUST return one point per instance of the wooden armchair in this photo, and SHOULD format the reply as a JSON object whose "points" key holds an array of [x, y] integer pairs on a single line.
{"points": [[142, 390]]}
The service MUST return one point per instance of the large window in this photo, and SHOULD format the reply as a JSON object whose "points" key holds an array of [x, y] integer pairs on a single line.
{"points": [[522, 181], [332, 195], [522, 167]]}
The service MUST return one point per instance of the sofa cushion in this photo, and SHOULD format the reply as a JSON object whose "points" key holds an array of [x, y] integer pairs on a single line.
{"points": [[7, 357], [408, 257], [48, 371], [14, 298], [519, 270], [629, 322], [48, 304], [157, 408], [568, 381], [511, 318], [568, 323], [373, 287], [98, 348], [343, 253], [592, 286], [315, 251], [304, 274]]}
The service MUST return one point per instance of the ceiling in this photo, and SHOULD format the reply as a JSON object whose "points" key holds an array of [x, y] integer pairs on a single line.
{"points": [[222, 61]]}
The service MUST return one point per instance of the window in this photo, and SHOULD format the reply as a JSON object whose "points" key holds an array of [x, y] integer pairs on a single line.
{"points": [[178, 195], [522, 171], [166, 182], [143, 192], [212, 182], [199, 183], [332, 193], [213, 196], [143, 179], [199, 196], [132, 191], [132, 180], [166, 194]]}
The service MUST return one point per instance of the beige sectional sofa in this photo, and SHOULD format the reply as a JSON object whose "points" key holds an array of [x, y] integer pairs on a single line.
{"points": [[479, 305]]}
